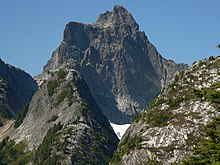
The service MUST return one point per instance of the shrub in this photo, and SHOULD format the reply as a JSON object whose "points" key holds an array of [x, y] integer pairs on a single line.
{"points": [[43, 154], [211, 58], [61, 74], [209, 152], [174, 103], [51, 87], [11, 153], [70, 96], [61, 97], [157, 118], [127, 145], [68, 93], [21, 116], [208, 93], [137, 117], [202, 63]]}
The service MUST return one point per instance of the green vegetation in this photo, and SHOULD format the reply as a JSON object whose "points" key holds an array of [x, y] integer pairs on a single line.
{"points": [[53, 84], [202, 63], [60, 97], [53, 118], [61, 74], [21, 116], [218, 46], [194, 62], [69, 96], [43, 155], [157, 118], [94, 148], [174, 103], [156, 102], [51, 87], [211, 58], [4, 112], [154, 117], [137, 117], [127, 145], [209, 151], [210, 94], [189, 75], [68, 93], [13, 154]]}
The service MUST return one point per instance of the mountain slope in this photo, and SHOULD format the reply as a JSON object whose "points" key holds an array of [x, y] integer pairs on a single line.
{"points": [[173, 124], [63, 125], [117, 62], [16, 90]]}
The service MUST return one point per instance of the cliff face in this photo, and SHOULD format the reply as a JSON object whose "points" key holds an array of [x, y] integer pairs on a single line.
{"points": [[64, 124], [173, 124], [121, 67], [16, 89], [165, 69]]}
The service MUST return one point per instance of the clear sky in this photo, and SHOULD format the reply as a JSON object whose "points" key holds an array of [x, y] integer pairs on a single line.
{"points": [[182, 30]]}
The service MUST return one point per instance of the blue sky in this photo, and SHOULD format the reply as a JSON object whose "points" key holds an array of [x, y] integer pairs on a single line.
{"points": [[184, 31]]}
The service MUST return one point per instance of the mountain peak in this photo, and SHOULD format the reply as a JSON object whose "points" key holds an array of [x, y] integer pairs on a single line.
{"points": [[119, 16], [117, 61], [118, 7]]}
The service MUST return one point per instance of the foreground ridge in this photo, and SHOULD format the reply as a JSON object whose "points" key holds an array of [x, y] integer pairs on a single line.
{"points": [[173, 124]]}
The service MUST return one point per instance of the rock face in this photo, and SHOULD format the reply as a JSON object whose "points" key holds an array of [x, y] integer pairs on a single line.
{"points": [[64, 124], [16, 89], [173, 124], [122, 68]]}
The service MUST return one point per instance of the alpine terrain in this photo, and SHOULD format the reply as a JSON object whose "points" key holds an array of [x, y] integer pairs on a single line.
{"points": [[104, 72], [122, 68], [63, 125], [16, 90], [184, 116]]}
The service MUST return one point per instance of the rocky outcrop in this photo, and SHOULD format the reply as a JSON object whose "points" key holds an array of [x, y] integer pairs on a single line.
{"points": [[121, 67], [64, 124], [16, 89], [173, 124], [165, 69]]}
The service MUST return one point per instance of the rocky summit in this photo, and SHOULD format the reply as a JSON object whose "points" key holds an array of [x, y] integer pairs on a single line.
{"points": [[184, 116], [16, 90], [123, 70]]}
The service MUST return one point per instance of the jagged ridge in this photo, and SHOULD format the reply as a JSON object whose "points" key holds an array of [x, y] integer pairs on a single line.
{"points": [[122, 68]]}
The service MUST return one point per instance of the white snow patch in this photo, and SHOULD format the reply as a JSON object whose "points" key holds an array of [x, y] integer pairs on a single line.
{"points": [[120, 129]]}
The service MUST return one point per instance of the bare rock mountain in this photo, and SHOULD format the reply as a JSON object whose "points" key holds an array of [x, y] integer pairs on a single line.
{"points": [[173, 124], [122, 68], [16, 90], [63, 125]]}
